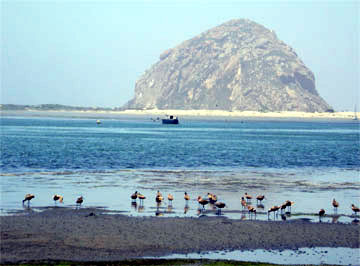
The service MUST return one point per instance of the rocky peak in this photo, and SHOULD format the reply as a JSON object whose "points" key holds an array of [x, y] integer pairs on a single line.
{"points": [[239, 65]]}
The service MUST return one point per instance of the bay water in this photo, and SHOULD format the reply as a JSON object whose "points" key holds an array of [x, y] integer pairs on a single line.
{"points": [[309, 162]]}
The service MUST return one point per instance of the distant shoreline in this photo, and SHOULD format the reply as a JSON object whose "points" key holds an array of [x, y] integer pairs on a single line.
{"points": [[183, 113]]}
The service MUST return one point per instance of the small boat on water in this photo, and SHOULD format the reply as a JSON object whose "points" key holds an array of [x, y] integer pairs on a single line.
{"points": [[355, 114], [171, 120], [98, 122]]}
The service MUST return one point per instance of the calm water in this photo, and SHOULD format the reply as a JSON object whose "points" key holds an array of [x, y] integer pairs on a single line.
{"points": [[307, 162]]}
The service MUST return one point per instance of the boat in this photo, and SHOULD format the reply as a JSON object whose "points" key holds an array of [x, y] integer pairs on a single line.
{"points": [[171, 120], [98, 122], [355, 114]]}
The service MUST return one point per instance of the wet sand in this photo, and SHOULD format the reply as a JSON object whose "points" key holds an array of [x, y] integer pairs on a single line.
{"points": [[90, 234]]}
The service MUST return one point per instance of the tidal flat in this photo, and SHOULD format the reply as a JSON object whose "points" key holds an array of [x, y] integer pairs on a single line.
{"points": [[90, 234]]}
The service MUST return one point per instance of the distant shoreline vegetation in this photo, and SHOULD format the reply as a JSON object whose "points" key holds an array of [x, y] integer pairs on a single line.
{"points": [[53, 107]]}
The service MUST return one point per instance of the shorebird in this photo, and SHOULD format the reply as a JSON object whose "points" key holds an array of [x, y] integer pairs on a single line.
{"points": [[27, 198], [79, 201], [273, 209], [141, 198], [282, 207], [355, 209], [289, 204], [134, 196], [243, 203], [260, 198], [248, 197], [335, 204], [321, 214], [159, 198], [186, 197], [59, 198], [220, 205], [202, 201], [170, 198], [212, 198], [251, 210]]}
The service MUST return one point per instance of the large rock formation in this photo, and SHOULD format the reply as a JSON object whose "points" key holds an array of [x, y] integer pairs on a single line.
{"points": [[239, 65]]}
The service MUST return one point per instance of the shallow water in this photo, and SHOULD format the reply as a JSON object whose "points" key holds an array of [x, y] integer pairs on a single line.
{"points": [[334, 256], [308, 162]]}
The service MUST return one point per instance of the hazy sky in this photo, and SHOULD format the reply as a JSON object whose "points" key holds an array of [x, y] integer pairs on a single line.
{"points": [[90, 53]]}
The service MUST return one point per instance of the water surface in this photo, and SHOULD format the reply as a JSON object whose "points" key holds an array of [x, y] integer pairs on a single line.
{"points": [[309, 162]]}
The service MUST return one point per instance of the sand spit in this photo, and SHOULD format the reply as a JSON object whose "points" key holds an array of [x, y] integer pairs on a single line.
{"points": [[242, 114], [193, 114], [92, 235]]}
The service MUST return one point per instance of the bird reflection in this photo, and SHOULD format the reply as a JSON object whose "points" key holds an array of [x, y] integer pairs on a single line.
{"points": [[355, 221], [26, 207], [134, 205], [158, 213], [200, 211], [169, 208], [186, 209], [141, 208], [335, 219]]}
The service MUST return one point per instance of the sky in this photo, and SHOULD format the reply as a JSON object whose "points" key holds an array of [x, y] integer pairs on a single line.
{"points": [[90, 53]]}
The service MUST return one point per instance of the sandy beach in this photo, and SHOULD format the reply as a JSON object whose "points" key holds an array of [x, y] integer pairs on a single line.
{"points": [[241, 114], [192, 114], [90, 234]]}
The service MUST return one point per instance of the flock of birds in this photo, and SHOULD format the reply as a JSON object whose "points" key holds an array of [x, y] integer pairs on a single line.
{"points": [[56, 198], [212, 199]]}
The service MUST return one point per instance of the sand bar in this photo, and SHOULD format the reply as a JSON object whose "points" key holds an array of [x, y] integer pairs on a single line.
{"points": [[242, 114], [193, 114], [90, 234]]}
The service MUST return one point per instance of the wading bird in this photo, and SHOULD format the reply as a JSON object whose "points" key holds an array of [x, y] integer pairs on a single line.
{"points": [[186, 197], [79, 201], [243, 203], [260, 198], [134, 196], [170, 198], [321, 214], [59, 198], [335, 205], [27, 198], [220, 205], [202, 201], [289, 204], [282, 207], [248, 197], [355, 209], [159, 198], [212, 198], [141, 198], [273, 209], [251, 210]]}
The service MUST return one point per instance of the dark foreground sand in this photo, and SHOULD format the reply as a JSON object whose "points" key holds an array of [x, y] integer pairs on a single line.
{"points": [[92, 235]]}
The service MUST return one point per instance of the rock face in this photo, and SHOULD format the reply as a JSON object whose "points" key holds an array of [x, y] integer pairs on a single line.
{"points": [[239, 65]]}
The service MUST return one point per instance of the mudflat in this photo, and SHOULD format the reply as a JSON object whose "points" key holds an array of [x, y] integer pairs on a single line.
{"points": [[90, 234]]}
